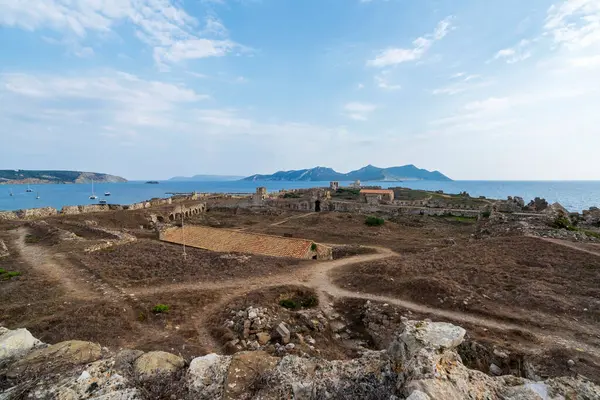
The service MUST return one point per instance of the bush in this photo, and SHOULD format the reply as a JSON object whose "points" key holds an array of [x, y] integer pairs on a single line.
{"points": [[32, 239], [7, 275], [563, 223], [486, 214], [374, 221], [289, 304], [160, 308], [291, 195], [310, 301], [313, 247]]}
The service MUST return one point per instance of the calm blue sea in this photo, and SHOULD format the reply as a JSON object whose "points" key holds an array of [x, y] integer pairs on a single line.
{"points": [[574, 195]]}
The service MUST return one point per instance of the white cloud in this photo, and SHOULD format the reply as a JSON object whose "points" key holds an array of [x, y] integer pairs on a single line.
{"points": [[586, 62], [394, 56], [360, 86], [359, 111], [162, 24], [382, 82], [574, 23], [462, 83], [515, 54], [119, 97]]}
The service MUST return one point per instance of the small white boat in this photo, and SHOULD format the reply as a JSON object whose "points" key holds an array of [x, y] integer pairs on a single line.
{"points": [[38, 196], [29, 190], [93, 196], [107, 193]]}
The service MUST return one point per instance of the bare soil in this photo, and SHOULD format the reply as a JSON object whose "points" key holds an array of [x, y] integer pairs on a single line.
{"points": [[150, 262], [533, 297]]}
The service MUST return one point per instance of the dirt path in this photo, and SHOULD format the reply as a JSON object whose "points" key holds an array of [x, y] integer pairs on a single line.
{"points": [[77, 282], [283, 221], [571, 245]]}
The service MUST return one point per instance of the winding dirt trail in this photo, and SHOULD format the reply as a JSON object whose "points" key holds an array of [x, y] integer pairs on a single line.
{"points": [[77, 282], [81, 284], [571, 245]]}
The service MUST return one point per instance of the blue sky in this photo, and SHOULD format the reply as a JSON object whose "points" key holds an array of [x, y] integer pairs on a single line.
{"points": [[156, 88]]}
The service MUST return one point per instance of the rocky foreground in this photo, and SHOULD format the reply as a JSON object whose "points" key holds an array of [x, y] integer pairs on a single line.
{"points": [[420, 363]]}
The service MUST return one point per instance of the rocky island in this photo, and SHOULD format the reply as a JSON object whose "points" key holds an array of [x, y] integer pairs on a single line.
{"points": [[21, 176], [364, 174]]}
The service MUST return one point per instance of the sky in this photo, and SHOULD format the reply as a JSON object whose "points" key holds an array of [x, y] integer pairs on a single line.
{"points": [[485, 90]]}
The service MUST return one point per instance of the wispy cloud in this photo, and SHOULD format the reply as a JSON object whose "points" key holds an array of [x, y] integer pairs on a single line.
{"points": [[515, 54], [173, 34], [394, 55], [359, 111], [383, 82], [462, 82]]}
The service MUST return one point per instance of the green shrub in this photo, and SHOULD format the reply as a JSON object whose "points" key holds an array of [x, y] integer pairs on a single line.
{"points": [[2, 271], [12, 274], [141, 317], [291, 195], [592, 234], [374, 221], [486, 214], [313, 247], [563, 223], [160, 308], [288, 303], [32, 239], [310, 301]]}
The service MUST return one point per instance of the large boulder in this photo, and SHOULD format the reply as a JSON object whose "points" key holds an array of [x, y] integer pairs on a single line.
{"points": [[156, 363], [15, 344], [206, 376], [56, 357], [247, 369]]}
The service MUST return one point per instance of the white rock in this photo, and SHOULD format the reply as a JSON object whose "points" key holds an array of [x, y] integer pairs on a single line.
{"points": [[571, 363], [16, 343], [290, 346], [84, 376]]}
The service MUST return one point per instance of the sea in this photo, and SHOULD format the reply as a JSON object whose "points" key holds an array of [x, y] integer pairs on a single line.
{"points": [[573, 195]]}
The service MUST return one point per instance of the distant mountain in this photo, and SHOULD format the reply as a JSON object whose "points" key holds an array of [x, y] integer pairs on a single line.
{"points": [[365, 174], [207, 178], [21, 176]]}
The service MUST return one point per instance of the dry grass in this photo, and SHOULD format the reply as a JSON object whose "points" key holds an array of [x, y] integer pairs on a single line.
{"points": [[150, 262]]}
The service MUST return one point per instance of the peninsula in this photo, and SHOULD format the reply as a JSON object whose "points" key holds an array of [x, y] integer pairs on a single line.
{"points": [[21, 176]]}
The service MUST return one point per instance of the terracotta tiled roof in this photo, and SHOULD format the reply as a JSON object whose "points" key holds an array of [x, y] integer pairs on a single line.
{"points": [[230, 241], [375, 191]]}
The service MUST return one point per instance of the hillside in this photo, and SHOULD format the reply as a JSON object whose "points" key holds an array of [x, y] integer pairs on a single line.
{"points": [[365, 174], [31, 176]]}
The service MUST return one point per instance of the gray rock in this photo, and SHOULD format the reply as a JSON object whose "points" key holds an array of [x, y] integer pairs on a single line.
{"points": [[571, 363], [3, 250], [206, 376], [290, 346], [418, 395], [495, 370], [283, 332], [156, 363], [263, 338], [125, 358]]}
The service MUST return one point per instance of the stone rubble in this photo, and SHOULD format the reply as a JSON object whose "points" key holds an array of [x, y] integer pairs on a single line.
{"points": [[420, 363]]}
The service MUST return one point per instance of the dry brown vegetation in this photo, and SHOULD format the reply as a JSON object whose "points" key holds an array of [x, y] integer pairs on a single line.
{"points": [[149, 262], [506, 277], [108, 296]]}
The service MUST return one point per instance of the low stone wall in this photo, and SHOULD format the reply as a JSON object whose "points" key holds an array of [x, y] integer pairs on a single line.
{"points": [[33, 213]]}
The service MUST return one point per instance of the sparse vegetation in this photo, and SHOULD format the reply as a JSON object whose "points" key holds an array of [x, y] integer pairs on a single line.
{"points": [[563, 223], [160, 309], [32, 239], [291, 195], [486, 214], [298, 301], [374, 221], [346, 193], [313, 247], [7, 275], [288, 303]]}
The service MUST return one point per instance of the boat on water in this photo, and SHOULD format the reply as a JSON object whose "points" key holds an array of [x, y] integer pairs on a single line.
{"points": [[102, 202], [152, 183], [93, 195], [107, 193], [29, 190], [11, 193], [38, 196]]}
